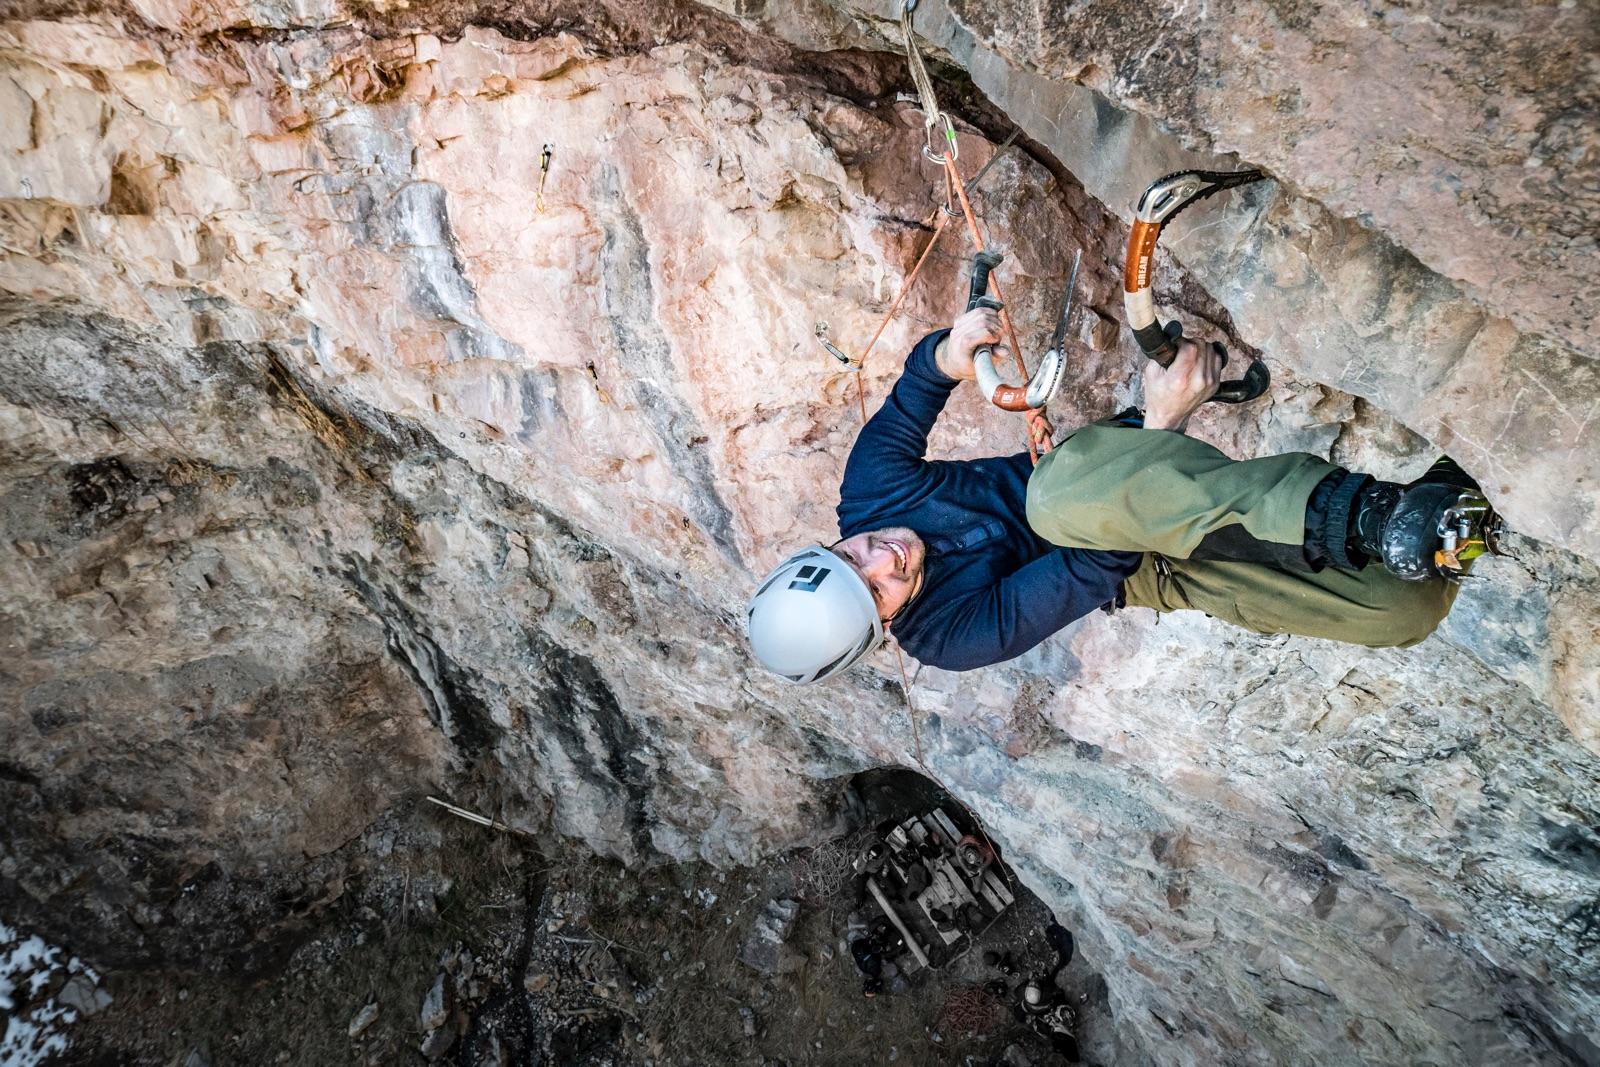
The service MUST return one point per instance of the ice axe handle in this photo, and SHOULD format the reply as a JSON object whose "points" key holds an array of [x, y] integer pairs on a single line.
{"points": [[1256, 378], [982, 264]]}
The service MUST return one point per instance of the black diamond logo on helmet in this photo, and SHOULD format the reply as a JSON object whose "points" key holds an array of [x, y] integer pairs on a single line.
{"points": [[807, 578]]}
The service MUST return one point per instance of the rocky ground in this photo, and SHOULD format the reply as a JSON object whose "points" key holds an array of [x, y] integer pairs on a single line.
{"points": [[472, 946]]}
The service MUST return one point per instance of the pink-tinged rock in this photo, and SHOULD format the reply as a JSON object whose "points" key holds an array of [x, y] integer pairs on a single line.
{"points": [[1466, 133], [1409, 225], [86, 44]]}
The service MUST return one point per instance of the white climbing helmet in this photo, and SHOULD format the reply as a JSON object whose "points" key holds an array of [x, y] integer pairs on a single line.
{"points": [[812, 617]]}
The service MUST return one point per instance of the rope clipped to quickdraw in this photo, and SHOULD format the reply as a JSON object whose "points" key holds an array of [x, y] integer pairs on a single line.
{"points": [[894, 309], [934, 118]]}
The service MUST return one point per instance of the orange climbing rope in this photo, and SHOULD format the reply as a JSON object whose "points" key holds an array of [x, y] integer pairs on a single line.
{"points": [[1039, 432], [861, 363]]}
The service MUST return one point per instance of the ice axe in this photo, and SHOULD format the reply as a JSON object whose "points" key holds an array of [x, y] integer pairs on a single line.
{"points": [[1043, 383], [1159, 205]]}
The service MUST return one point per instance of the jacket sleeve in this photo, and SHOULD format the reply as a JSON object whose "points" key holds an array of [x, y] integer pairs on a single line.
{"points": [[1007, 619], [890, 449]]}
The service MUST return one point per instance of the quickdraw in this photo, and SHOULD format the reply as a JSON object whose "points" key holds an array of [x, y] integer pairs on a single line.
{"points": [[1159, 205], [544, 174], [821, 331]]}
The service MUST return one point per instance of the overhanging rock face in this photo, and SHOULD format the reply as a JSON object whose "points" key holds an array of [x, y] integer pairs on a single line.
{"points": [[346, 459], [1430, 241]]}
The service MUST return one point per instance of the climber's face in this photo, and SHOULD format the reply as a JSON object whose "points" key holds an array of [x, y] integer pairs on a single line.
{"points": [[890, 562]]}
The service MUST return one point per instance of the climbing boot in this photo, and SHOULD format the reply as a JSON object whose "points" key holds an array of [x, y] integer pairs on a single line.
{"points": [[1440, 529], [1446, 471], [1434, 527], [1373, 504]]}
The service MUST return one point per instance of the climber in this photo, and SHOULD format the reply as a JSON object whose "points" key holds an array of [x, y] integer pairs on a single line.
{"points": [[976, 562]]}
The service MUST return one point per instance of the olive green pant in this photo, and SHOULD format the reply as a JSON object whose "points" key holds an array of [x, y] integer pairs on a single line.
{"points": [[1159, 492]]}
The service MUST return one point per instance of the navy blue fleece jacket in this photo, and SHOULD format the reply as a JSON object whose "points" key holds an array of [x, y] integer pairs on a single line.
{"points": [[992, 589]]}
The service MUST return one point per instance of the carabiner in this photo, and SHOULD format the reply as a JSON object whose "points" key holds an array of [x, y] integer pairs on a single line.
{"points": [[950, 139], [821, 332]]}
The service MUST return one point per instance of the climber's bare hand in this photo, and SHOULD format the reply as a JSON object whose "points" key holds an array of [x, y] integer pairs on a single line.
{"points": [[1174, 392], [976, 328]]}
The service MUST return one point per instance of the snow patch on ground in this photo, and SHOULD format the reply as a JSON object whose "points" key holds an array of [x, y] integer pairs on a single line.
{"points": [[33, 979]]}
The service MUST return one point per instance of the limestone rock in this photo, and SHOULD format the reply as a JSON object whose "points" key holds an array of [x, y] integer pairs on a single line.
{"points": [[437, 1003], [363, 1019], [83, 995], [437, 1043], [336, 458], [1474, 332], [765, 947]]}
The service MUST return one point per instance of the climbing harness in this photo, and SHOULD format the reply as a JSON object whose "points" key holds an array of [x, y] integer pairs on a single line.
{"points": [[1159, 205]]}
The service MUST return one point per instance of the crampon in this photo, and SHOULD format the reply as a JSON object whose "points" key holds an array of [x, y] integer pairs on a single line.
{"points": [[1438, 530]]}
